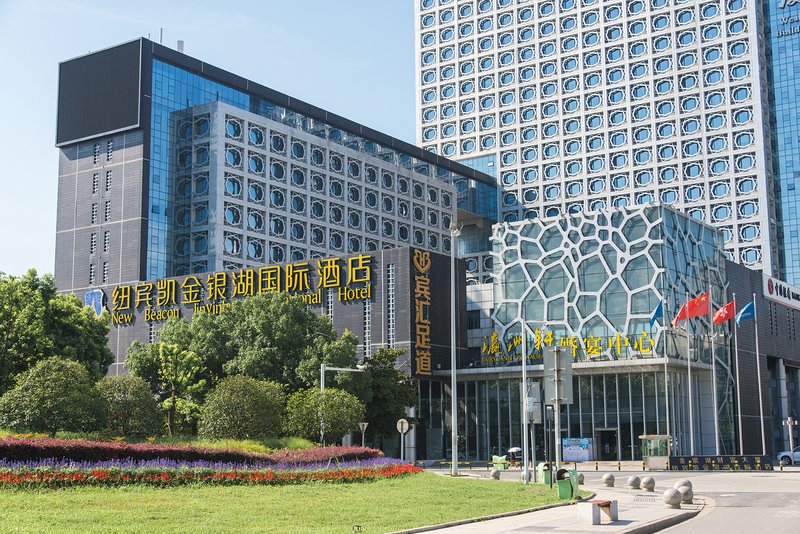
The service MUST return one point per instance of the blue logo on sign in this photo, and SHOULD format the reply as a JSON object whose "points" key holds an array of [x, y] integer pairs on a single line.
{"points": [[95, 299]]}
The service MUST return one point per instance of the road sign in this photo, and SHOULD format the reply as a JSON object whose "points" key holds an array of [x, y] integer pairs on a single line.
{"points": [[402, 426], [564, 359], [363, 427]]}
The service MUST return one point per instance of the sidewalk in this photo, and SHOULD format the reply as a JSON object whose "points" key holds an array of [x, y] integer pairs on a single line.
{"points": [[639, 512]]}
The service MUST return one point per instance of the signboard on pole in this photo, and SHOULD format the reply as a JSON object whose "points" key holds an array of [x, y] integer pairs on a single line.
{"points": [[577, 449], [561, 358], [402, 426], [534, 403]]}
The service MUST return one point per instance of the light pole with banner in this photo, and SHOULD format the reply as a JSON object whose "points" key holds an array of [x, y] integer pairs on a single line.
{"points": [[322, 368]]}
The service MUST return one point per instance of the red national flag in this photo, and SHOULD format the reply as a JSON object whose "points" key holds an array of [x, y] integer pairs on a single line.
{"points": [[725, 313], [694, 308]]}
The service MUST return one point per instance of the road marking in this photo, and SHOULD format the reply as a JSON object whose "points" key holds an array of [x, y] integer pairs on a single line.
{"points": [[728, 495]]}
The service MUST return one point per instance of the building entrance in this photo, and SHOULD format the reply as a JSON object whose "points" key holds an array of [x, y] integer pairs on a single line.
{"points": [[606, 444]]}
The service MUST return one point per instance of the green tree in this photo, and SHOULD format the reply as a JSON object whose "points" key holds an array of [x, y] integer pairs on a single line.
{"points": [[55, 394], [393, 391], [340, 412], [177, 370], [132, 408], [36, 323], [241, 407]]}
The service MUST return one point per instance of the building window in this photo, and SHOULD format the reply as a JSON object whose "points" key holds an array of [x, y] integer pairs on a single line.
{"points": [[106, 240], [91, 274], [108, 180], [473, 319], [96, 154], [151, 332], [93, 244], [367, 328], [329, 302], [390, 306], [105, 272], [94, 213], [107, 214], [109, 150], [95, 183]]}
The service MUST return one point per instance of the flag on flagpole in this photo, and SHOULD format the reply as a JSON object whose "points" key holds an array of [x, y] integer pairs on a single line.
{"points": [[658, 313], [748, 312], [725, 313], [694, 308]]}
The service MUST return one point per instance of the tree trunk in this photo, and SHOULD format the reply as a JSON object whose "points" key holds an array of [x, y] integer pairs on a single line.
{"points": [[171, 416]]}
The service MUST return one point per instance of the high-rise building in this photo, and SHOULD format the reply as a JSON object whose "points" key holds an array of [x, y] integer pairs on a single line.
{"points": [[184, 168], [580, 105]]}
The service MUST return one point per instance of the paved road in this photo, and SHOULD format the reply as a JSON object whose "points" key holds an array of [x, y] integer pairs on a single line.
{"points": [[736, 503]]}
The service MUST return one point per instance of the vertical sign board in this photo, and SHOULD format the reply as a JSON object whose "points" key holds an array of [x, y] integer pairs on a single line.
{"points": [[563, 359], [422, 312]]}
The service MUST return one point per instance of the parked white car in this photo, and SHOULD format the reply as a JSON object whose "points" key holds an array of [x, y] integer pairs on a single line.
{"points": [[789, 459]]}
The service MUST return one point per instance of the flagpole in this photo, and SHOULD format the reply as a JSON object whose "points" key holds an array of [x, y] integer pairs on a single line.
{"points": [[689, 374], [758, 370], [736, 361], [666, 374], [713, 369]]}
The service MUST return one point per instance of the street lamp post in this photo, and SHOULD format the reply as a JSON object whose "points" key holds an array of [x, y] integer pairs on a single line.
{"points": [[455, 231], [322, 368]]}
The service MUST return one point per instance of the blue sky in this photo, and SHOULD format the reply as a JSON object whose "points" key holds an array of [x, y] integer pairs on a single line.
{"points": [[352, 57]]}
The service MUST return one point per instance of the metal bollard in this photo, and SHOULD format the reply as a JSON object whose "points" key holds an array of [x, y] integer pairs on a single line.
{"points": [[596, 466], [643, 466], [619, 466]]}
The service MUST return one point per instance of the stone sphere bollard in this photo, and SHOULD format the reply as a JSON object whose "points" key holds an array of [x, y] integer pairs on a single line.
{"points": [[672, 498], [686, 494], [580, 478], [608, 480], [496, 474], [648, 483], [633, 482], [682, 482]]}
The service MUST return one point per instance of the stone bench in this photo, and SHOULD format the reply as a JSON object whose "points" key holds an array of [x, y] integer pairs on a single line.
{"points": [[589, 511]]}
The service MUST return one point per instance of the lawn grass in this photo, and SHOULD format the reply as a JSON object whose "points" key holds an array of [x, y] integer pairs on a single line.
{"points": [[382, 506]]}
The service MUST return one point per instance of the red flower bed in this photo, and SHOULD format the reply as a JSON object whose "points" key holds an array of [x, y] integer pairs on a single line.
{"points": [[48, 478], [80, 450]]}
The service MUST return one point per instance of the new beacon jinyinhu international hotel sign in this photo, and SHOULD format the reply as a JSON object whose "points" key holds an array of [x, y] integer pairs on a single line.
{"points": [[159, 300]]}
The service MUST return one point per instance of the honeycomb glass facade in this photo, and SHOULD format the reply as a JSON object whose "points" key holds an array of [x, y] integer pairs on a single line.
{"points": [[593, 104], [590, 284]]}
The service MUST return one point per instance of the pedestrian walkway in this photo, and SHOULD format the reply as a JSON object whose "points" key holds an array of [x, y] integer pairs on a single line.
{"points": [[639, 511]]}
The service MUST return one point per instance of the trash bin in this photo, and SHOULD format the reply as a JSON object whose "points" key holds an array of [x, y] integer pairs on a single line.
{"points": [[499, 462], [543, 472], [567, 481]]}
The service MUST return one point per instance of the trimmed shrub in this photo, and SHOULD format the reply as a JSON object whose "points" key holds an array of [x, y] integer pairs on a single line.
{"points": [[54, 395], [339, 453], [241, 407], [24, 450], [340, 413], [132, 408]]}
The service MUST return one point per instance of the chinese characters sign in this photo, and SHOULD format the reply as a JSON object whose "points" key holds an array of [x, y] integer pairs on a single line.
{"points": [[422, 306], [494, 351], [159, 300]]}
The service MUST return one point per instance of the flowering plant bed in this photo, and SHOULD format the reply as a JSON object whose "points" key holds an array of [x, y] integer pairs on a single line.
{"points": [[14, 449], [48, 477]]}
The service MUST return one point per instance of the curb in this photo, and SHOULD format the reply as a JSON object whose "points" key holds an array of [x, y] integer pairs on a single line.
{"points": [[667, 522], [489, 517]]}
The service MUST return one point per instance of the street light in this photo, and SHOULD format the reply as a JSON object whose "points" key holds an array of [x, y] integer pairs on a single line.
{"points": [[455, 231], [322, 368]]}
